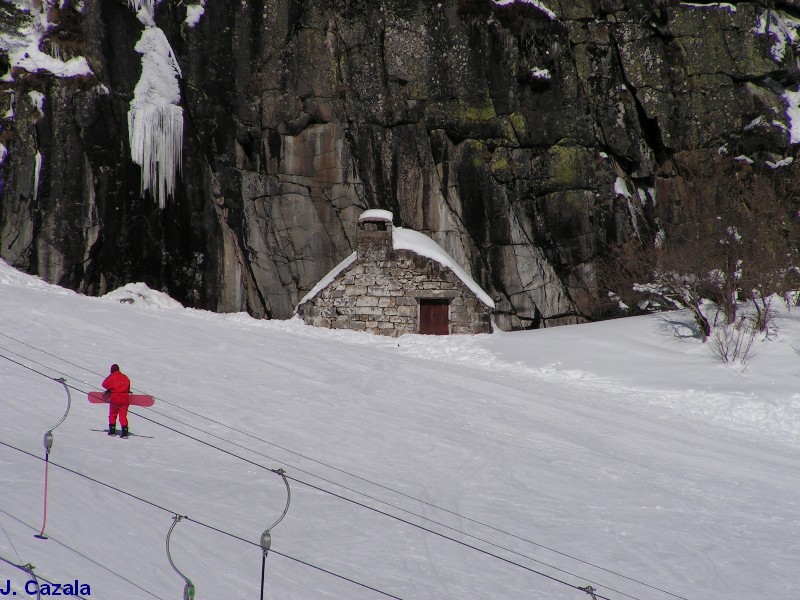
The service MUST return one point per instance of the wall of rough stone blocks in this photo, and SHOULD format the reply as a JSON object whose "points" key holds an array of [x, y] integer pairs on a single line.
{"points": [[380, 293]]}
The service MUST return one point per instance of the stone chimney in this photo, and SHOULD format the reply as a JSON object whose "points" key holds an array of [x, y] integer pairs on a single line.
{"points": [[374, 233]]}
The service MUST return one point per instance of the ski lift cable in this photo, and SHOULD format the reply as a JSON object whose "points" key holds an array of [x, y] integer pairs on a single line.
{"points": [[222, 531], [395, 507], [28, 568], [379, 485], [10, 541], [373, 509], [352, 490], [387, 488], [79, 553], [312, 486], [401, 519], [205, 525]]}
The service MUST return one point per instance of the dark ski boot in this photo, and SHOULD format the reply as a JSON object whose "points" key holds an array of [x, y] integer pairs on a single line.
{"points": [[124, 431], [112, 430]]}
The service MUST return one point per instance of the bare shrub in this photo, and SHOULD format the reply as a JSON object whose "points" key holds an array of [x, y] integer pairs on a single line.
{"points": [[732, 343], [723, 232]]}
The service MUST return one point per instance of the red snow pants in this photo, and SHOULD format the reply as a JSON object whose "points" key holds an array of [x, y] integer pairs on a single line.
{"points": [[114, 410]]}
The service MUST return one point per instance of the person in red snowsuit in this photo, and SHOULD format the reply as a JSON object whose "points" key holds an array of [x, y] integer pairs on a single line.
{"points": [[116, 385]]}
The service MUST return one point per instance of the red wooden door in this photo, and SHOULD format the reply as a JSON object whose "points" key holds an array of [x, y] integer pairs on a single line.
{"points": [[434, 317]]}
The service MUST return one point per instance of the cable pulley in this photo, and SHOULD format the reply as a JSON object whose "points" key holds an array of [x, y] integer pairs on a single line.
{"points": [[266, 537], [188, 589], [29, 568]]}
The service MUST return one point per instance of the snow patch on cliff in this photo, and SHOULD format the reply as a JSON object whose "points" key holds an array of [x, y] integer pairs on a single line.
{"points": [[155, 119], [792, 99], [194, 13], [536, 3], [22, 45], [782, 27], [722, 5]]}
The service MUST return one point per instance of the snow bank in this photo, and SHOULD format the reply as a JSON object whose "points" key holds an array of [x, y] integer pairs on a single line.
{"points": [[11, 276], [141, 295]]}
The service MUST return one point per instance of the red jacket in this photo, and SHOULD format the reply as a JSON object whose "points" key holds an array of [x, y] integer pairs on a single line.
{"points": [[117, 383]]}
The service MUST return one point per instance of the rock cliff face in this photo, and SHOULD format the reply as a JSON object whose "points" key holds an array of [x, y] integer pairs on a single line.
{"points": [[524, 137]]}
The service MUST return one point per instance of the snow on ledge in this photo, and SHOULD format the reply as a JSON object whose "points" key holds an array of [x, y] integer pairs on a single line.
{"points": [[785, 162], [536, 3], [194, 12], [724, 5], [376, 214], [21, 42]]}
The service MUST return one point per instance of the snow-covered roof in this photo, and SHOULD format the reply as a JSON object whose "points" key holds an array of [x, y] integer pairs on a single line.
{"points": [[376, 214], [407, 239]]}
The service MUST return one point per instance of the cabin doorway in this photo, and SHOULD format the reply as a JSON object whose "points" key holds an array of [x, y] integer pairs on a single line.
{"points": [[434, 316]]}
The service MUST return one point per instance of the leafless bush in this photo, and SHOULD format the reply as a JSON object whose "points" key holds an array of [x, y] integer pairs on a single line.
{"points": [[727, 234], [732, 343]]}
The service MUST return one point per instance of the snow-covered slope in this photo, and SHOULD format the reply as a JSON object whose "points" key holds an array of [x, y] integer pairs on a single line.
{"points": [[619, 455]]}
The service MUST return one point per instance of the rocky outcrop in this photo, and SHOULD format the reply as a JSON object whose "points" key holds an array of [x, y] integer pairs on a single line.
{"points": [[524, 138]]}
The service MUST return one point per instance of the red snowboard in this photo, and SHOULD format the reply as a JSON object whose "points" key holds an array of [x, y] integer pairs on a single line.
{"points": [[128, 399]]}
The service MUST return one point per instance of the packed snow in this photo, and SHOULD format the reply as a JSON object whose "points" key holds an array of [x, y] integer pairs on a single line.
{"points": [[618, 455]]}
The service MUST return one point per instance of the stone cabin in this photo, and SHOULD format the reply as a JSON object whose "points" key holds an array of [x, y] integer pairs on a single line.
{"points": [[397, 281]]}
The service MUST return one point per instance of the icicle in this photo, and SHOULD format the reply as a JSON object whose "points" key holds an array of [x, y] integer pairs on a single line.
{"points": [[156, 138], [155, 119], [37, 170]]}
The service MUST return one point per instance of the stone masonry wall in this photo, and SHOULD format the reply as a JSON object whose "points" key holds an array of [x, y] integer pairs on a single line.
{"points": [[380, 293]]}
